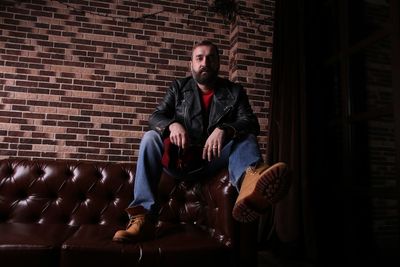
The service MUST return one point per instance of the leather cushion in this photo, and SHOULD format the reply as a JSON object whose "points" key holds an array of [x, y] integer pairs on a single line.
{"points": [[178, 246], [32, 244]]}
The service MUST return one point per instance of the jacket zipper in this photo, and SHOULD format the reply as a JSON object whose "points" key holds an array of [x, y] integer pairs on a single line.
{"points": [[226, 110]]}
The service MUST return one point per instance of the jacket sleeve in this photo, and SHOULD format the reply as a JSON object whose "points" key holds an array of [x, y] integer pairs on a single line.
{"points": [[164, 113], [245, 121]]}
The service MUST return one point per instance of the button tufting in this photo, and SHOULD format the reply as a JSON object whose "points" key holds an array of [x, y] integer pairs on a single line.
{"points": [[99, 174], [10, 171], [82, 197], [22, 195], [40, 172], [110, 197], [69, 173]]}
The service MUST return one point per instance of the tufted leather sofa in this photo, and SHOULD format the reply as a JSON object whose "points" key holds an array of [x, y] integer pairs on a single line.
{"points": [[64, 213]]}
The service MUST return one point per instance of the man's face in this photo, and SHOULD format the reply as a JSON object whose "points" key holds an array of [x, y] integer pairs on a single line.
{"points": [[204, 64]]}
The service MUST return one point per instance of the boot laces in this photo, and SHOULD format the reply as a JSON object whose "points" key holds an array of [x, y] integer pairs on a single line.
{"points": [[251, 170], [136, 220]]}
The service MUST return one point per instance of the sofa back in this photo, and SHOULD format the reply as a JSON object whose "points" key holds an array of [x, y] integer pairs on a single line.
{"points": [[64, 192]]}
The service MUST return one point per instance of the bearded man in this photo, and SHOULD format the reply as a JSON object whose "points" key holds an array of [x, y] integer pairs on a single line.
{"points": [[207, 111]]}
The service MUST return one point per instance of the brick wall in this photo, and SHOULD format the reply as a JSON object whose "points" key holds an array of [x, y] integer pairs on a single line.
{"points": [[79, 78]]}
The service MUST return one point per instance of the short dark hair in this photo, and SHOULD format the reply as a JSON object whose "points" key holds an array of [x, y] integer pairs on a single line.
{"points": [[205, 43]]}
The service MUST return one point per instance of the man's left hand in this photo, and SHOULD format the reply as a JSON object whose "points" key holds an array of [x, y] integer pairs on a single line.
{"points": [[213, 145]]}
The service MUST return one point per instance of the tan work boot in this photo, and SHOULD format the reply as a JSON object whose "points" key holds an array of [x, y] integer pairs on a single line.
{"points": [[261, 187], [140, 226]]}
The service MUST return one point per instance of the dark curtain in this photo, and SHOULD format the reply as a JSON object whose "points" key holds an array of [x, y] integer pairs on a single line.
{"points": [[291, 223]]}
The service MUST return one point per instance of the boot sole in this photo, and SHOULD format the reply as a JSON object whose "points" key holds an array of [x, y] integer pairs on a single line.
{"points": [[131, 240], [270, 188], [134, 238], [121, 240]]}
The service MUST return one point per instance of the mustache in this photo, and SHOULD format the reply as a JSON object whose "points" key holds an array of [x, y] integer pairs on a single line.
{"points": [[204, 69]]}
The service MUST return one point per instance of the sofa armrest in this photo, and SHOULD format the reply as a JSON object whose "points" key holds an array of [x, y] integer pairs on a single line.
{"points": [[206, 202]]}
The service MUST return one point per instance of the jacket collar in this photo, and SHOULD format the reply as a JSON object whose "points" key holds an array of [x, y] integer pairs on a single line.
{"points": [[192, 97], [223, 99], [222, 91]]}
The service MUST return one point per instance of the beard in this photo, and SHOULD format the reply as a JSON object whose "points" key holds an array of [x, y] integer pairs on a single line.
{"points": [[205, 76]]}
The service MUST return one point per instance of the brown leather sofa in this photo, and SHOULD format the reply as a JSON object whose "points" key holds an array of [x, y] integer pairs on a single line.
{"points": [[64, 213]]}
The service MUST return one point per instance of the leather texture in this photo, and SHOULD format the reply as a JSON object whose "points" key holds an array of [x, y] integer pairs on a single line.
{"points": [[65, 213]]}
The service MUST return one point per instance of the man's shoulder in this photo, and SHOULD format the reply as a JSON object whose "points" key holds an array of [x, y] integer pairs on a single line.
{"points": [[230, 85], [181, 82]]}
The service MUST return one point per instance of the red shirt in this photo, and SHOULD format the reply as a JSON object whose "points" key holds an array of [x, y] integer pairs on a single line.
{"points": [[206, 99]]}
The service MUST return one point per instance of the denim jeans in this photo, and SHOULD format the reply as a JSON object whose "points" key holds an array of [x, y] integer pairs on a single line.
{"points": [[238, 155]]}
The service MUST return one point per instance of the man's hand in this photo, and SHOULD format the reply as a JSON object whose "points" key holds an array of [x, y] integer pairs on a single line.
{"points": [[213, 145], [178, 135]]}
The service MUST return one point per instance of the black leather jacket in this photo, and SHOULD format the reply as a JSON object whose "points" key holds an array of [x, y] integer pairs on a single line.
{"points": [[229, 108]]}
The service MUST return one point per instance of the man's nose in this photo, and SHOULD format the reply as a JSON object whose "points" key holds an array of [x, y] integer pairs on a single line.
{"points": [[206, 61]]}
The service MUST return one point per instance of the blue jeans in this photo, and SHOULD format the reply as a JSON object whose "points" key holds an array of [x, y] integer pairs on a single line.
{"points": [[238, 155]]}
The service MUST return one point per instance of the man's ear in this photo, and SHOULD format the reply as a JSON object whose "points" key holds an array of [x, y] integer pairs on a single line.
{"points": [[190, 65]]}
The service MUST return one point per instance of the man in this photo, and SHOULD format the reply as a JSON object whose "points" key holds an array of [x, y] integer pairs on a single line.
{"points": [[215, 113]]}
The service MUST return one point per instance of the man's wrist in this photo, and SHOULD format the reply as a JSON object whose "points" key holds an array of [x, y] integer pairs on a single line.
{"points": [[174, 123], [227, 130]]}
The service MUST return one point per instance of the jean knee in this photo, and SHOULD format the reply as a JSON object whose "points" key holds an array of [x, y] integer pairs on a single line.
{"points": [[151, 138], [250, 141], [251, 138]]}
